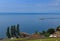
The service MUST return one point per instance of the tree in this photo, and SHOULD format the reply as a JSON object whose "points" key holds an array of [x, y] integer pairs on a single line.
{"points": [[51, 31], [18, 32], [58, 28], [47, 34], [13, 31], [8, 33], [36, 32], [43, 32], [14, 28]]}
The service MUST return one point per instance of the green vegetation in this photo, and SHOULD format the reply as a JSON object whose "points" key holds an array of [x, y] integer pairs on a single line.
{"points": [[51, 31], [13, 31], [58, 28], [8, 33], [24, 39]]}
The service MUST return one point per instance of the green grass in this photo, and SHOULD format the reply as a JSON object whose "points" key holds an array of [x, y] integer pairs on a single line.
{"points": [[24, 39]]}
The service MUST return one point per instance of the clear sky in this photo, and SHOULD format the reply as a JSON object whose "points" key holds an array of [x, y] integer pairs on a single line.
{"points": [[30, 6]]}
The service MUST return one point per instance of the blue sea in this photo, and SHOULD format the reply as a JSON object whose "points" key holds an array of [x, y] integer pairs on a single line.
{"points": [[29, 22]]}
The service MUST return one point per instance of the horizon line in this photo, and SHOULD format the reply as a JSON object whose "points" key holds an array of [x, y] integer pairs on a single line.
{"points": [[17, 13]]}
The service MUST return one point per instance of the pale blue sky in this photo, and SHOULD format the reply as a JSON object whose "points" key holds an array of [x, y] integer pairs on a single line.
{"points": [[29, 6]]}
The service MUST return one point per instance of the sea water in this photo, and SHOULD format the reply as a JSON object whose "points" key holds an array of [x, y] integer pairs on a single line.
{"points": [[29, 23]]}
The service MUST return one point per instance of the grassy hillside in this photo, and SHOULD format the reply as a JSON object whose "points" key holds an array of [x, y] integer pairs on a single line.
{"points": [[47, 39]]}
